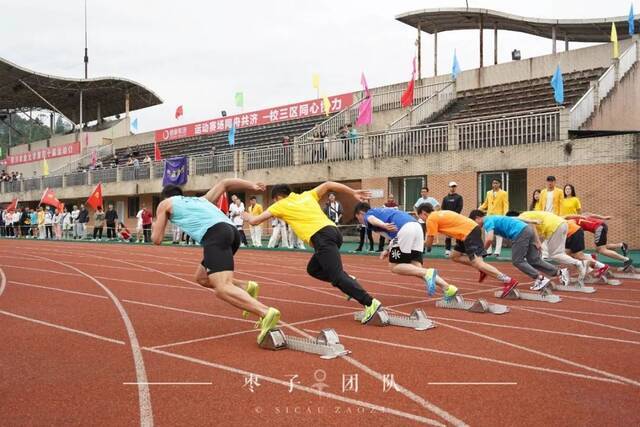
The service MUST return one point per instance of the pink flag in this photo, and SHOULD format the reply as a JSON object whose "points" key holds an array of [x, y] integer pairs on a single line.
{"points": [[94, 158], [363, 82], [365, 111]]}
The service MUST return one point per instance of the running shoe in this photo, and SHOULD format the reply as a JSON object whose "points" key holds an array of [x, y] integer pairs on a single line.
{"points": [[447, 254], [450, 293], [371, 310], [508, 287], [601, 271], [540, 284], [565, 278], [625, 249], [582, 271], [430, 280], [626, 267], [267, 323], [483, 276], [253, 289]]}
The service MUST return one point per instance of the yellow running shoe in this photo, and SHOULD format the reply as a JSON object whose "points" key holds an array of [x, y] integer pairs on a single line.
{"points": [[450, 292], [253, 289], [268, 322], [370, 311]]}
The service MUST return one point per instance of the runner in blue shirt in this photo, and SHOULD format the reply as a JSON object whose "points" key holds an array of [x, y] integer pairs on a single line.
{"points": [[525, 246], [405, 246], [220, 239]]}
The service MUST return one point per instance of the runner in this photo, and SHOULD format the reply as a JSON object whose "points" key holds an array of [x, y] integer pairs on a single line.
{"points": [[220, 239], [405, 246], [574, 246], [303, 213]]}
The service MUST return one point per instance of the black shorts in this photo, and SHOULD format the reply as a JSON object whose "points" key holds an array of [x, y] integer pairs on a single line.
{"points": [[219, 244], [396, 256], [600, 236], [472, 245], [575, 243]]}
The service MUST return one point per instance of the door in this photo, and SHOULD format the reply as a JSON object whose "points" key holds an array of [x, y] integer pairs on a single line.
{"points": [[514, 182], [411, 191]]}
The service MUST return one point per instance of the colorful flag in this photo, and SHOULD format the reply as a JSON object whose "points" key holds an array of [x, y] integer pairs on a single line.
{"points": [[614, 40], [176, 171], [13, 205], [315, 81], [632, 24], [134, 124], [239, 99], [49, 198], [365, 111], [157, 154], [558, 86], [232, 134], [407, 97], [95, 199], [455, 68], [327, 105], [223, 203], [45, 167], [179, 111]]}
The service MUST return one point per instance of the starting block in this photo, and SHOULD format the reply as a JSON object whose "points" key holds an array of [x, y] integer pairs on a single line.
{"points": [[418, 320], [327, 344], [604, 280], [479, 306], [631, 273], [544, 295], [574, 288]]}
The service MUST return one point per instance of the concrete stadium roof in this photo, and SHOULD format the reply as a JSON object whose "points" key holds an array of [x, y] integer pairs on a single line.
{"points": [[64, 93], [575, 30]]}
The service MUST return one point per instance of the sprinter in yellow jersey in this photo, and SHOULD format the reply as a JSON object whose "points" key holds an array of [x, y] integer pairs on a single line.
{"points": [[304, 215]]}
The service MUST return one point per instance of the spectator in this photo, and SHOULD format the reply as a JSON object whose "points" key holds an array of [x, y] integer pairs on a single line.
{"points": [[139, 229], [98, 225], [294, 241], [98, 164], [147, 220], [369, 232], [2, 216], [25, 223], [278, 232], [57, 224], [255, 209], [535, 201], [123, 233], [352, 135], [67, 224], [343, 135], [496, 203], [17, 216], [75, 212], [570, 205], [32, 224], [235, 213], [48, 223], [83, 219], [146, 160], [130, 160], [451, 202], [333, 209], [551, 197], [111, 217], [425, 198], [176, 234], [41, 223]]}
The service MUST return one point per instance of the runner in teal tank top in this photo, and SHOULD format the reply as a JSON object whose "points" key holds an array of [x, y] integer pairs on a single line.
{"points": [[219, 238]]}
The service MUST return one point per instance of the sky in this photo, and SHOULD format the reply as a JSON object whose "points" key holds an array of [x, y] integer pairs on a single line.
{"points": [[200, 53]]}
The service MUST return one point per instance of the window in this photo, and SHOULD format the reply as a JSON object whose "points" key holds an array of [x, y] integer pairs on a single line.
{"points": [[133, 206], [406, 190]]}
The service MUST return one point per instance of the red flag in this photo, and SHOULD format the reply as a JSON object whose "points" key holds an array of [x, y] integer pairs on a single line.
{"points": [[49, 198], [223, 203], [179, 112], [13, 205], [95, 199], [407, 95], [157, 155]]}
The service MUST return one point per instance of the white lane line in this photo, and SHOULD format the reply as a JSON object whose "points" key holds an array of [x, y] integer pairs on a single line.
{"points": [[171, 383], [144, 397], [472, 383], [66, 291], [3, 281], [364, 404], [588, 322], [478, 358], [63, 328], [589, 313]]}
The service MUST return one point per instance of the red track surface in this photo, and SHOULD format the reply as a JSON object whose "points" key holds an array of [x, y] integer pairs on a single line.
{"points": [[68, 353]]}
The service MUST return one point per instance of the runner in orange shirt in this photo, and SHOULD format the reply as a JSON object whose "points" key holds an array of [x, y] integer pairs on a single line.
{"points": [[469, 248]]}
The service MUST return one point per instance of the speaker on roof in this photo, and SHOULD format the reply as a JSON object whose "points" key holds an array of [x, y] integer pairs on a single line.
{"points": [[515, 55], [223, 113]]}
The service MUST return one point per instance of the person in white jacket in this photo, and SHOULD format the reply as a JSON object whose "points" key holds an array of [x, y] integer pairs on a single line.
{"points": [[294, 240], [67, 225], [278, 231], [77, 227], [236, 209]]}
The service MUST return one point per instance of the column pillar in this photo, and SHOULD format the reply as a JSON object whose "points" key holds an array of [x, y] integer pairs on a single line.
{"points": [[553, 39], [435, 52], [419, 42], [495, 44], [481, 42]]}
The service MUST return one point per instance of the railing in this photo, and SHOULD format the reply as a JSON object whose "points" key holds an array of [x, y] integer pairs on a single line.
{"points": [[509, 130], [389, 100], [32, 184], [331, 150], [78, 178], [582, 110], [134, 173], [332, 125], [104, 175], [157, 171], [219, 162], [409, 142], [431, 105], [12, 186], [606, 82], [102, 151], [274, 156], [627, 59], [55, 181]]}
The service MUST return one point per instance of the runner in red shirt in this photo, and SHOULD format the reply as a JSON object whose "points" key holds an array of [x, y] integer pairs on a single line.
{"points": [[597, 225]]}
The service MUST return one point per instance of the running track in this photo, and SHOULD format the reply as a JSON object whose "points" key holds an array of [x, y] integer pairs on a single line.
{"points": [[118, 335]]}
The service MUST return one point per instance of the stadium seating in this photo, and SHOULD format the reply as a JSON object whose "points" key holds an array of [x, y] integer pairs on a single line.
{"points": [[515, 97]]}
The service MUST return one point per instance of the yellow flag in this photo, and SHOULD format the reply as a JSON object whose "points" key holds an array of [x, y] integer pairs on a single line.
{"points": [[315, 81], [614, 40], [327, 105], [45, 167]]}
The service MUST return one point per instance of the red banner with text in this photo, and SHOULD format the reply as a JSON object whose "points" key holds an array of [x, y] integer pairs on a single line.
{"points": [[44, 153], [255, 118]]}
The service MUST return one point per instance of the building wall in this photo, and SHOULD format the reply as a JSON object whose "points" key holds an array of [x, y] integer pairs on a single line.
{"points": [[621, 109]]}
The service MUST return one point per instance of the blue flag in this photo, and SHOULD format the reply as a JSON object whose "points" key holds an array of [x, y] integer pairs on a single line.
{"points": [[134, 124], [558, 86], [632, 24], [455, 69], [232, 134], [176, 171]]}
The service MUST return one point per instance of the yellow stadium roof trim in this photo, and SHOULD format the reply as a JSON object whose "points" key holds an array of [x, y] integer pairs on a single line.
{"points": [[21, 89]]}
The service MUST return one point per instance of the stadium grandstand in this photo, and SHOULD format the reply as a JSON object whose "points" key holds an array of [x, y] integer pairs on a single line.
{"points": [[496, 121]]}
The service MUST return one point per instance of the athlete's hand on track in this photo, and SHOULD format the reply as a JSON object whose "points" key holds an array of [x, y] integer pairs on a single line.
{"points": [[362, 195], [384, 254]]}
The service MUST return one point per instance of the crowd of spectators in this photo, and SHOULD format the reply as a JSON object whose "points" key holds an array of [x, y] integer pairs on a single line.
{"points": [[10, 177]]}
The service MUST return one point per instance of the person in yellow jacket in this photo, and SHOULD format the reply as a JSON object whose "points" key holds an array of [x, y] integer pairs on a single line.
{"points": [[255, 209], [551, 197], [496, 203]]}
